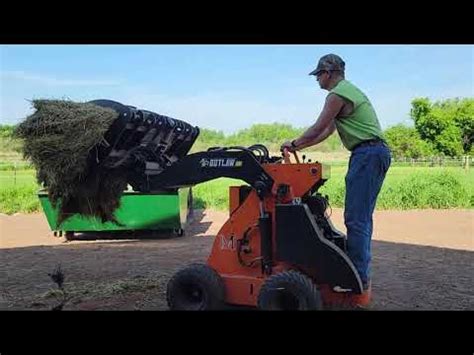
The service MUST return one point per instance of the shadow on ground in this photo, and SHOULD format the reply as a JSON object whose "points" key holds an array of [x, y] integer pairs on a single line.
{"points": [[131, 272]]}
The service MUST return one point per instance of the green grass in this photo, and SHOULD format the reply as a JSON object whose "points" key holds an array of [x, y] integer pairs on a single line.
{"points": [[20, 198], [404, 188], [18, 192], [214, 194], [21, 165], [413, 188], [11, 178]]}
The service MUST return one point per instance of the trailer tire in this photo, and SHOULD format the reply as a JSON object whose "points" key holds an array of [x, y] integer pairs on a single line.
{"points": [[179, 232], [289, 290], [69, 235], [197, 287]]}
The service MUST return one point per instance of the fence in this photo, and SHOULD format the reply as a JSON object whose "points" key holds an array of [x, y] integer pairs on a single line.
{"points": [[440, 161], [14, 173]]}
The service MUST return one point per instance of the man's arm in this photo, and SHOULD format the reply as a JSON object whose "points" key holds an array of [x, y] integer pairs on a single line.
{"points": [[326, 133], [331, 109]]}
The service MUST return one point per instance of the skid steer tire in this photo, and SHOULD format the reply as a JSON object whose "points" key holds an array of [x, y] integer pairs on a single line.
{"points": [[195, 288], [289, 290]]}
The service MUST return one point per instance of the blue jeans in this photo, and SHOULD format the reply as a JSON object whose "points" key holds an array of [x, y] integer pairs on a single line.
{"points": [[367, 168]]}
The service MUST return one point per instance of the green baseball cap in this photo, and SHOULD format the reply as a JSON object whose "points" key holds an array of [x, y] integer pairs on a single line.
{"points": [[329, 62]]}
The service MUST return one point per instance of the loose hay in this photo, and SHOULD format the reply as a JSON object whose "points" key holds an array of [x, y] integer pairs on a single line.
{"points": [[62, 140]]}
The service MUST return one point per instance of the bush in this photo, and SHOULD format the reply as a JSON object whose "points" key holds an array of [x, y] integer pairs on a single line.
{"points": [[406, 142], [420, 190], [405, 190]]}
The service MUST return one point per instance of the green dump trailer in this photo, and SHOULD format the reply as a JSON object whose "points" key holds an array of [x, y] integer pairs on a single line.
{"points": [[163, 211]]}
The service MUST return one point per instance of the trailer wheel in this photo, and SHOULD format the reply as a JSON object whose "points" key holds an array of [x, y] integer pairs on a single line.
{"points": [[178, 232], [289, 290], [197, 287], [69, 235]]}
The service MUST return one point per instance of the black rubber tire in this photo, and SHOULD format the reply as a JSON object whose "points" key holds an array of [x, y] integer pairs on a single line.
{"points": [[69, 235], [289, 290], [197, 287], [179, 232]]}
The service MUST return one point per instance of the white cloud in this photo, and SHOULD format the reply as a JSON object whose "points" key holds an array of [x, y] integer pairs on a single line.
{"points": [[54, 81]]}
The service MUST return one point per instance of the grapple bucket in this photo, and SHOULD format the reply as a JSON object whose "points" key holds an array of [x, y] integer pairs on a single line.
{"points": [[144, 142]]}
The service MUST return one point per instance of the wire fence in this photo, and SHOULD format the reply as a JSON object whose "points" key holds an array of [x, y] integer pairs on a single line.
{"points": [[439, 161]]}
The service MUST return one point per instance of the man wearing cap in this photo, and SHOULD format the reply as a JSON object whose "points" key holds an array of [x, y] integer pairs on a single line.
{"points": [[348, 110]]}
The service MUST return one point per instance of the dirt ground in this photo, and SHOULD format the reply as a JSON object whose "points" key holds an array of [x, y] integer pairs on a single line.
{"points": [[422, 260]]}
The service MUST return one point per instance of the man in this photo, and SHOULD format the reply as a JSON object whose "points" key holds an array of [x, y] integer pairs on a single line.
{"points": [[348, 110]]}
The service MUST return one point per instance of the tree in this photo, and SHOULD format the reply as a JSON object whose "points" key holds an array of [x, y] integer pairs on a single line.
{"points": [[448, 125], [272, 135], [6, 131], [406, 142], [464, 119]]}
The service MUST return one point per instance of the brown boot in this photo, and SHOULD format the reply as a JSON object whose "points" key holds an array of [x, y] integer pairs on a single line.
{"points": [[360, 301]]}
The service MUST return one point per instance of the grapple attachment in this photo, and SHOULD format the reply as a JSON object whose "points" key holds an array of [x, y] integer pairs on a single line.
{"points": [[144, 142]]}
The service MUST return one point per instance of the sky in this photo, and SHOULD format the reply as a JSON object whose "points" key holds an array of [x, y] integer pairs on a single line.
{"points": [[230, 87]]}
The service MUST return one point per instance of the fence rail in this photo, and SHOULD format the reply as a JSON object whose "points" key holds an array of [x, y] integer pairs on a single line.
{"points": [[464, 161]]}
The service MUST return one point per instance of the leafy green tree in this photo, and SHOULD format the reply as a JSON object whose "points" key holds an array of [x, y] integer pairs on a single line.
{"points": [[406, 142], [6, 131], [448, 125]]}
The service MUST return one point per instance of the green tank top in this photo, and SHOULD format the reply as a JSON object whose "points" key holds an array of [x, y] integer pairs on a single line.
{"points": [[362, 124]]}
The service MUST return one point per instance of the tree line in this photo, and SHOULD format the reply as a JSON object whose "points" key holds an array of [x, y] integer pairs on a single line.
{"points": [[440, 128]]}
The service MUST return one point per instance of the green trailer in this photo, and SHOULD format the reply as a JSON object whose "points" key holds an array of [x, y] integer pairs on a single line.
{"points": [[163, 211]]}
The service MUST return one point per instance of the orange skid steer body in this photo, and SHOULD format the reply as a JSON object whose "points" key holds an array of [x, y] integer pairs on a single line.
{"points": [[278, 250]]}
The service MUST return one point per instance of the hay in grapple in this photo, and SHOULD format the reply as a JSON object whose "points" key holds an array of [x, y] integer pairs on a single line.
{"points": [[62, 139], [87, 153]]}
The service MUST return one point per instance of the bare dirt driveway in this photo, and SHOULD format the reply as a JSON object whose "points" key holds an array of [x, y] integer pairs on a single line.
{"points": [[422, 260]]}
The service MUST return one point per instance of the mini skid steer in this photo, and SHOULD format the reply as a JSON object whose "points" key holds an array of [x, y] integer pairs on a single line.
{"points": [[278, 250]]}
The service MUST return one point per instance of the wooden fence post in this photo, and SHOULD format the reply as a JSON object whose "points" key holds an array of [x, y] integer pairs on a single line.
{"points": [[14, 173]]}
